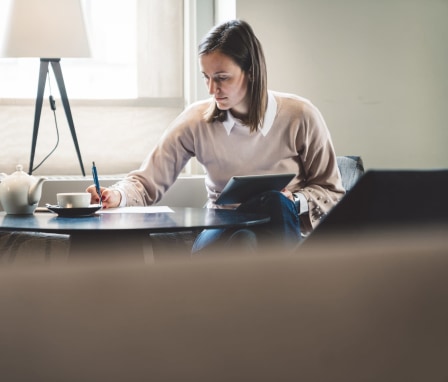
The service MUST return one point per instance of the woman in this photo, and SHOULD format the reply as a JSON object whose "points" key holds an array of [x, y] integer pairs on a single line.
{"points": [[242, 129]]}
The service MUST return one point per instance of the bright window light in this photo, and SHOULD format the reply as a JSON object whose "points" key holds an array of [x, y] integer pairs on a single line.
{"points": [[111, 72]]}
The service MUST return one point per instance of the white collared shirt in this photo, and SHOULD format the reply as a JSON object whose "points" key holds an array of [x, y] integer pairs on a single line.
{"points": [[269, 117]]}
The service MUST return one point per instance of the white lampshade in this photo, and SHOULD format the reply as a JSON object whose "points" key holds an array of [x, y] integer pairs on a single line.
{"points": [[45, 29]]}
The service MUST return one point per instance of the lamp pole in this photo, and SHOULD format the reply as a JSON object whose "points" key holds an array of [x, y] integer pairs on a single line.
{"points": [[56, 65]]}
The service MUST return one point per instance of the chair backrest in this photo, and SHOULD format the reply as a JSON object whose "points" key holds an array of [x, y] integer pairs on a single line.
{"points": [[351, 168]]}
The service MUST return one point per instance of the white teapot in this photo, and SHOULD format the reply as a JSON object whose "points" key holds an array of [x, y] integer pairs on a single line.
{"points": [[19, 192]]}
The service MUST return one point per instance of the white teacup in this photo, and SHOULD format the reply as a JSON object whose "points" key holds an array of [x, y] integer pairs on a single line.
{"points": [[73, 199]]}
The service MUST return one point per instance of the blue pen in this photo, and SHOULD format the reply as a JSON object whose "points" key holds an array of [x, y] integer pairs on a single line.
{"points": [[96, 181]]}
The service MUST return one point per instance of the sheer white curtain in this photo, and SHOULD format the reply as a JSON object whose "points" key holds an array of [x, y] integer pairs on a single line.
{"points": [[137, 53], [113, 37]]}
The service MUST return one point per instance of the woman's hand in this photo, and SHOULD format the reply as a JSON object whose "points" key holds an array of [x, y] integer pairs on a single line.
{"points": [[110, 198], [288, 194]]}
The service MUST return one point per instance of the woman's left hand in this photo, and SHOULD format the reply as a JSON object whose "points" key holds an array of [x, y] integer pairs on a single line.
{"points": [[288, 194]]}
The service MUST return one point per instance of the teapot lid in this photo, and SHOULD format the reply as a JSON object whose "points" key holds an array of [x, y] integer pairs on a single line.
{"points": [[19, 171]]}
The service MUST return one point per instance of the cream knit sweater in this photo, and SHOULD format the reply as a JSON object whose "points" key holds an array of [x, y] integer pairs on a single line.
{"points": [[293, 139]]}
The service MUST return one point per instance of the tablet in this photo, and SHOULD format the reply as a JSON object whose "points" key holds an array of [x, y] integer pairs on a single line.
{"points": [[240, 188]]}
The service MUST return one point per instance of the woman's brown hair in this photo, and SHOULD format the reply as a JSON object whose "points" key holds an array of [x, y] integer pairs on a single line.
{"points": [[237, 40]]}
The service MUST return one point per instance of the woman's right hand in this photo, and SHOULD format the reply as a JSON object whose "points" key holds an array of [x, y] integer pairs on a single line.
{"points": [[110, 198]]}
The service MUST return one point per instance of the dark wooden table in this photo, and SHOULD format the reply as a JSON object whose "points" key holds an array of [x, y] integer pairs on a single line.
{"points": [[125, 234]]}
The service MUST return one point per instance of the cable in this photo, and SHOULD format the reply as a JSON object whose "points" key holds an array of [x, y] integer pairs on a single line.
{"points": [[53, 107]]}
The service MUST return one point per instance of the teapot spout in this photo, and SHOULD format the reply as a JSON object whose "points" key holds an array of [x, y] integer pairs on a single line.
{"points": [[35, 192]]}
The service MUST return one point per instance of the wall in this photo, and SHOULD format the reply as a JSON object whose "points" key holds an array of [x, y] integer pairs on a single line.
{"points": [[116, 136], [376, 70]]}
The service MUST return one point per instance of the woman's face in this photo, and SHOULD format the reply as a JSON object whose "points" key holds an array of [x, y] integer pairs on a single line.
{"points": [[226, 82]]}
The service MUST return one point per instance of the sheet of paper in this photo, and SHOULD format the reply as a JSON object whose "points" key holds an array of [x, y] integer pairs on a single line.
{"points": [[136, 210]]}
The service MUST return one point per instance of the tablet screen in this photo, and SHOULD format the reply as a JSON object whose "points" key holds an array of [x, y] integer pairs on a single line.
{"points": [[240, 188]]}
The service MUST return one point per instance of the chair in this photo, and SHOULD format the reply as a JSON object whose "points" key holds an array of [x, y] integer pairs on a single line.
{"points": [[351, 168]]}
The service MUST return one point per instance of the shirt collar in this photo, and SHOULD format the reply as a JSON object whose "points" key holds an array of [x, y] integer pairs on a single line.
{"points": [[269, 117]]}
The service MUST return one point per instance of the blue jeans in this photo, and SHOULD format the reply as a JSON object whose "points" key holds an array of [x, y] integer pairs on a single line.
{"points": [[282, 231]]}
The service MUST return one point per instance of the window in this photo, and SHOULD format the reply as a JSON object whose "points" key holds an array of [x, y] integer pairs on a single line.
{"points": [[112, 29], [122, 98]]}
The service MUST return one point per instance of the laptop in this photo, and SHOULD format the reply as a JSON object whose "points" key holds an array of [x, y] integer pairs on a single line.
{"points": [[390, 197], [241, 188]]}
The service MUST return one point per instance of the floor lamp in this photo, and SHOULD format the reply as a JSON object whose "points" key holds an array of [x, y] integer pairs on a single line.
{"points": [[49, 30]]}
